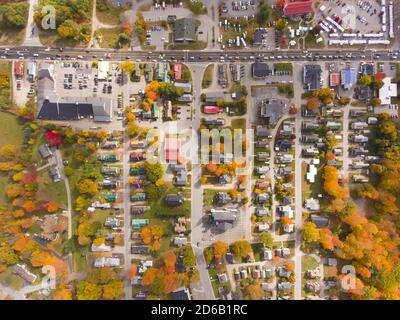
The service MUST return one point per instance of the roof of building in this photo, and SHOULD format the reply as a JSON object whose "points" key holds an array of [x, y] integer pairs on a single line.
{"points": [[296, 8], [172, 148], [367, 69], [387, 91], [349, 77], [272, 110], [185, 30], [260, 70], [53, 107], [177, 68], [24, 273], [334, 79], [174, 199], [19, 68], [186, 86], [364, 93], [45, 151], [181, 293], [319, 220]]}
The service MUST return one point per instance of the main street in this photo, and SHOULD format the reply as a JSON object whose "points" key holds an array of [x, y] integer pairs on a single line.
{"points": [[41, 53]]}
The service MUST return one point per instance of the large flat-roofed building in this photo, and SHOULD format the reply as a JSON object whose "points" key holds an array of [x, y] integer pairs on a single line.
{"points": [[53, 107], [185, 30], [297, 9], [388, 91], [103, 70]]}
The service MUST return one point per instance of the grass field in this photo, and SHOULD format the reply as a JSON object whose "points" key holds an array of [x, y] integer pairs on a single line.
{"points": [[8, 279], [109, 37], [208, 76], [3, 197], [109, 14], [239, 124], [52, 190], [10, 130]]}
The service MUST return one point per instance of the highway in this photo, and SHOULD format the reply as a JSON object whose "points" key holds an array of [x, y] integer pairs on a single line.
{"points": [[42, 53]]}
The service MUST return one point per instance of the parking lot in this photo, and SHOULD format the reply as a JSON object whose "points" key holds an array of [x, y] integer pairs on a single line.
{"points": [[159, 36], [358, 15], [238, 9]]}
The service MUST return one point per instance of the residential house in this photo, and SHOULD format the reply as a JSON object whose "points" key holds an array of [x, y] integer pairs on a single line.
{"points": [[107, 262], [181, 293], [320, 221], [45, 151], [312, 204], [22, 271], [180, 241]]}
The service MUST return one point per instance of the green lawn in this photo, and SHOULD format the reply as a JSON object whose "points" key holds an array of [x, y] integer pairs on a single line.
{"points": [[10, 129], [208, 76], [160, 209], [213, 273], [109, 14], [283, 66], [3, 184], [209, 194], [109, 37], [49, 190], [197, 45], [8, 279], [308, 263], [239, 124]]}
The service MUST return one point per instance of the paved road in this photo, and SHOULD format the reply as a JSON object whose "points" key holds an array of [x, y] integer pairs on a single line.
{"points": [[298, 186], [127, 217], [198, 242], [197, 56], [60, 166]]}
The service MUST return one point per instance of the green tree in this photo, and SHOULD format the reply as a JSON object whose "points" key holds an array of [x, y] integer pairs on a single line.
{"points": [[197, 7], [128, 66], [7, 255], [154, 171], [88, 291], [377, 84], [189, 259], [264, 13], [69, 29], [266, 239], [310, 233], [241, 248], [376, 102], [365, 81]]}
